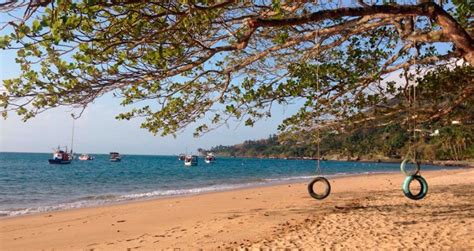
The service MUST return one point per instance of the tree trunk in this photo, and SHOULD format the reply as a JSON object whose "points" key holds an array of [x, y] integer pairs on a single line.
{"points": [[459, 36]]}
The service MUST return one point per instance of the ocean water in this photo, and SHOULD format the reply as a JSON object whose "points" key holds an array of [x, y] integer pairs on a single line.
{"points": [[29, 184]]}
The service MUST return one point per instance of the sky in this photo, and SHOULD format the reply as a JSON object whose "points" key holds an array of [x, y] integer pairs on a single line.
{"points": [[97, 131]]}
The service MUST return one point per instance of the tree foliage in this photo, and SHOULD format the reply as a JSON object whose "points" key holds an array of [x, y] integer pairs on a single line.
{"points": [[176, 62]]}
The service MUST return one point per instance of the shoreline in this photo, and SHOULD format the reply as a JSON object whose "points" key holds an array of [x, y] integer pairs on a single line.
{"points": [[237, 187], [448, 163], [257, 185], [271, 216], [440, 163]]}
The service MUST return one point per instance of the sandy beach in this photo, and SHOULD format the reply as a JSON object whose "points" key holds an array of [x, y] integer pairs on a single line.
{"points": [[366, 211]]}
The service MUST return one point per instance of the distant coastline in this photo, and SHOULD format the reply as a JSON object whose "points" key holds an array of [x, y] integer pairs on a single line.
{"points": [[453, 163], [452, 145]]}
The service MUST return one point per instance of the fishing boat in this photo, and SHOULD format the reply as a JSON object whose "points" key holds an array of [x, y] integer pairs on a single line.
{"points": [[63, 156], [210, 158], [191, 160], [115, 157], [86, 157], [182, 157], [60, 157]]}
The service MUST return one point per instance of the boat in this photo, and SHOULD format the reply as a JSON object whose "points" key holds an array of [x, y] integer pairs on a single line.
{"points": [[60, 157], [191, 160], [182, 157], [210, 158], [86, 157], [63, 156], [115, 157]]}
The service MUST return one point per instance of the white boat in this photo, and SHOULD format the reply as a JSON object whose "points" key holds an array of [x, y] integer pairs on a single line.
{"points": [[191, 160], [210, 158], [86, 157]]}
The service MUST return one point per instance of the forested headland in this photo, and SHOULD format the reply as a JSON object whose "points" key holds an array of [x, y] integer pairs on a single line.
{"points": [[451, 142]]}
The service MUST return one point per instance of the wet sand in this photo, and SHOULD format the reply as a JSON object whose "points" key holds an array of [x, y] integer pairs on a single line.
{"points": [[367, 211]]}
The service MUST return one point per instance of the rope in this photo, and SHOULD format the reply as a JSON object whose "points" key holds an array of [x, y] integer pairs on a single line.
{"points": [[318, 166], [414, 116], [318, 163], [414, 121], [318, 152]]}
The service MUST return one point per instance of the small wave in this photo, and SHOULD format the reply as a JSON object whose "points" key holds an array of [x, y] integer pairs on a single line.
{"points": [[97, 200], [49, 208], [293, 178], [197, 190], [96, 197]]}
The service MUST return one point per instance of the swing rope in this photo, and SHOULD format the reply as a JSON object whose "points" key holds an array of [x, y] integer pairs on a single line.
{"points": [[412, 150], [412, 124], [415, 120], [318, 139], [414, 116]]}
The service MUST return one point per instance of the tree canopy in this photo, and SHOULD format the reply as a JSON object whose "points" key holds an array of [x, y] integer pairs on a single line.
{"points": [[176, 62]]}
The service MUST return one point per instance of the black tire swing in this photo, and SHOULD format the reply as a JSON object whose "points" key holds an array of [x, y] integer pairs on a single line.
{"points": [[319, 178], [413, 175], [326, 192]]}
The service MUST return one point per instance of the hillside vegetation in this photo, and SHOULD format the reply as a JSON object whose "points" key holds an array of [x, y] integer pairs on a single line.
{"points": [[454, 142]]}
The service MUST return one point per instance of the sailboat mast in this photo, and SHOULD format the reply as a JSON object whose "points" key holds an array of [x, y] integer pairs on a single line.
{"points": [[72, 136]]}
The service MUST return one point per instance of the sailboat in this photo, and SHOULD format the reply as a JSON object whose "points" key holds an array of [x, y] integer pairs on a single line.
{"points": [[72, 137], [63, 156], [60, 157]]}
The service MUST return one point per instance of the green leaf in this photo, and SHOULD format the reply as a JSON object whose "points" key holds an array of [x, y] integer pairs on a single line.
{"points": [[36, 26]]}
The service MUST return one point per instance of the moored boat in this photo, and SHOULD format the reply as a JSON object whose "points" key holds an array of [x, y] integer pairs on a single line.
{"points": [[86, 157], [115, 157], [210, 158], [191, 160], [182, 156], [60, 157]]}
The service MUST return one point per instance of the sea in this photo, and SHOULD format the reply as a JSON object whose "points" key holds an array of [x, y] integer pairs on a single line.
{"points": [[29, 184]]}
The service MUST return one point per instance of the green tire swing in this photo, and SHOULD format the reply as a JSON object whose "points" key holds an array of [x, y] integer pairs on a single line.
{"points": [[413, 174], [406, 187]]}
